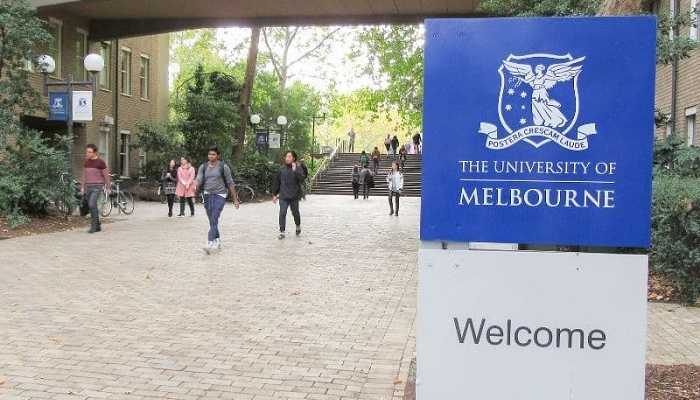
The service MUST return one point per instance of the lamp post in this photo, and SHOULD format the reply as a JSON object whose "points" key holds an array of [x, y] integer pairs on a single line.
{"points": [[313, 134], [281, 121], [94, 64]]}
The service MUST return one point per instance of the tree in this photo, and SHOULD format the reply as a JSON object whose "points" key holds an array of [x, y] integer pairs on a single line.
{"points": [[309, 43], [248, 82], [395, 55], [545, 8]]}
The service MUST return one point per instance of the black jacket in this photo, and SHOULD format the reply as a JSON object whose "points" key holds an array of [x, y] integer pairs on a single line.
{"points": [[287, 183]]}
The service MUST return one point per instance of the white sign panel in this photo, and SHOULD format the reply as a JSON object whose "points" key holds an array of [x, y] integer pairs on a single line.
{"points": [[274, 140], [82, 106], [503, 325]]}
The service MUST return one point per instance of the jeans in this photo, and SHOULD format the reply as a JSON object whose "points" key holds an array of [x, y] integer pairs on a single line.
{"points": [[171, 201], [365, 191], [214, 204], [375, 163], [190, 201], [93, 193], [393, 195], [356, 189], [284, 205]]}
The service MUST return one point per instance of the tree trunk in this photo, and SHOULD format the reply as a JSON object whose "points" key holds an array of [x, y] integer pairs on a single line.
{"points": [[246, 91], [620, 7]]}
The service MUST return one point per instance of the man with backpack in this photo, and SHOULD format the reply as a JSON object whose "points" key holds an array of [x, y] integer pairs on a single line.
{"points": [[366, 181], [215, 182]]}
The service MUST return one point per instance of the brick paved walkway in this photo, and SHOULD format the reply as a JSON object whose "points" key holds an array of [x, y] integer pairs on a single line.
{"points": [[147, 315]]}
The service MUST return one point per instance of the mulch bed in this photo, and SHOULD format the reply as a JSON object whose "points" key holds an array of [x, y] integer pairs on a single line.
{"points": [[663, 382], [662, 289], [43, 224]]}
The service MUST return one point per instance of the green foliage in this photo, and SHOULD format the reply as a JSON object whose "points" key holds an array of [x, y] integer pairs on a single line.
{"points": [[546, 8], [162, 143], [207, 112], [30, 178], [394, 54], [20, 31], [678, 47], [257, 170], [676, 215]]}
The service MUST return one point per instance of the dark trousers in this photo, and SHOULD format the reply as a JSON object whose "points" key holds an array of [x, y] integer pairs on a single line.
{"points": [[375, 164], [284, 205], [356, 190], [171, 201], [214, 204], [392, 196], [190, 202], [93, 193], [365, 191]]}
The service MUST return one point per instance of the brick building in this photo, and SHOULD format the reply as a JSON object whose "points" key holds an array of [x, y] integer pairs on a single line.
{"points": [[132, 88], [678, 85]]}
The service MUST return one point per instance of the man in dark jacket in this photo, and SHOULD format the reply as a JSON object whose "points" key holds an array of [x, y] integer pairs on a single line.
{"points": [[287, 188]]}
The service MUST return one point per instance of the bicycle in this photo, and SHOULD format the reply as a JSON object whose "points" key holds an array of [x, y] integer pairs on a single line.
{"points": [[116, 197], [63, 204], [244, 191]]}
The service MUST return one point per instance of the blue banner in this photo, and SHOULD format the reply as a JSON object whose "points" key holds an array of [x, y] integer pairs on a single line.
{"points": [[59, 107], [539, 131]]}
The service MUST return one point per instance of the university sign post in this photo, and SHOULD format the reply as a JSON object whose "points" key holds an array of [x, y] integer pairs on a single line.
{"points": [[541, 134]]}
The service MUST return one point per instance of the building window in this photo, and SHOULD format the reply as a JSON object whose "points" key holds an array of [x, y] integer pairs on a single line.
{"points": [[81, 48], [125, 71], [106, 53], [694, 19], [124, 152], [104, 142], [690, 125], [145, 76], [55, 45], [142, 160]]}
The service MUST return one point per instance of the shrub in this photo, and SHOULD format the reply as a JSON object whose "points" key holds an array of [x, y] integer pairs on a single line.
{"points": [[257, 170], [30, 178], [676, 232], [162, 143]]}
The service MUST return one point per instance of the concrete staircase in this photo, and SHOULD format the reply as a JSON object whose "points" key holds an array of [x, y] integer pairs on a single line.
{"points": [[337, 178]]}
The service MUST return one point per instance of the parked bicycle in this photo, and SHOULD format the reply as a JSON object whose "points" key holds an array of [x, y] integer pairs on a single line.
{"points": [[245, 192], [117, 198], [70, 197]]}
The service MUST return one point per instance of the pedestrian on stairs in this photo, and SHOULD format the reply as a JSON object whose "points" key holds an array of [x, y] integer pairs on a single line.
{"points": [[364, 159], [387, 144], [367, 181], [394, 180], [402, 157], [356, 181], [351, 140], [394, 146], [286, 187], [375, 159]]}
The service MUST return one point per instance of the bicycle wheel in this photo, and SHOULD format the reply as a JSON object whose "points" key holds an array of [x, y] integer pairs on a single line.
{"points": [[104, 204], [245, 194], [125, 200], [64, 209]]}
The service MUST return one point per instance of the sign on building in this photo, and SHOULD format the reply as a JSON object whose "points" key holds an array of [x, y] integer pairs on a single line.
{"points": [[539, 131], [58, 106], [82, 106]]}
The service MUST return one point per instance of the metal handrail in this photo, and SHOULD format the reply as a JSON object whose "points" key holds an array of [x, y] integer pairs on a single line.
{"points": [[325, 163]]}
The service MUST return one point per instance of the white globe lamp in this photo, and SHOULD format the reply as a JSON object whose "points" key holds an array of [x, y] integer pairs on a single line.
{"points": [[94, 63], [47, 64]]}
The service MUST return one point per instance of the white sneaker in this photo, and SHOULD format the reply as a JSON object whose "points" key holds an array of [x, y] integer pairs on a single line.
{"points": [[209, 247], [217, 245]]}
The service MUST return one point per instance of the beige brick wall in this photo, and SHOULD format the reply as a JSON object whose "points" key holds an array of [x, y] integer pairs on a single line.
{"points": [[688, 93], [126, 111]]}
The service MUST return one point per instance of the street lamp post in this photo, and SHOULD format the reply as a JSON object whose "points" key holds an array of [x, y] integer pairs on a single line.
{"points": [[94, 64], [281, 121]]}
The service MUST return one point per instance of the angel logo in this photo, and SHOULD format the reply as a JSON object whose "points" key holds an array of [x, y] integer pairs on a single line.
{"points": [[539, 103]]}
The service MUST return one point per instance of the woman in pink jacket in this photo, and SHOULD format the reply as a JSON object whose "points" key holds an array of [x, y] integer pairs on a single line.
{"points": [[186, 185]]}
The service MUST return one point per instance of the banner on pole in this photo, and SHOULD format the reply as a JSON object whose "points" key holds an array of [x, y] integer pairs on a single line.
{"points": [[58, 106], [82, 106]]}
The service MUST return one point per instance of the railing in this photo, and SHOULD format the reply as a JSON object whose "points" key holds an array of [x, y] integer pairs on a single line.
{"points": [[340, 146]]}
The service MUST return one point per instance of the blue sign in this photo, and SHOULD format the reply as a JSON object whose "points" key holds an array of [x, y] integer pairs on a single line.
{"points": [[59, 106], [539, 131]]}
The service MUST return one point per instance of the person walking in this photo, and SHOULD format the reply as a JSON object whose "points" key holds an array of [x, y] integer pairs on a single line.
{"points": [[364, 159], [394, 180], [286, 188], [169, 181], [186, 187], [417, 141], [394, 146], [96, 180], [387, 144], [402, 157], [376, 155], [356, 181], [351, 140], [305, 169], [366, 181], [215, 180]]}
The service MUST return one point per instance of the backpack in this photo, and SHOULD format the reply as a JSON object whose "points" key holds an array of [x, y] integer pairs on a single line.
{"points": [[221, 172], [369, 180]]}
